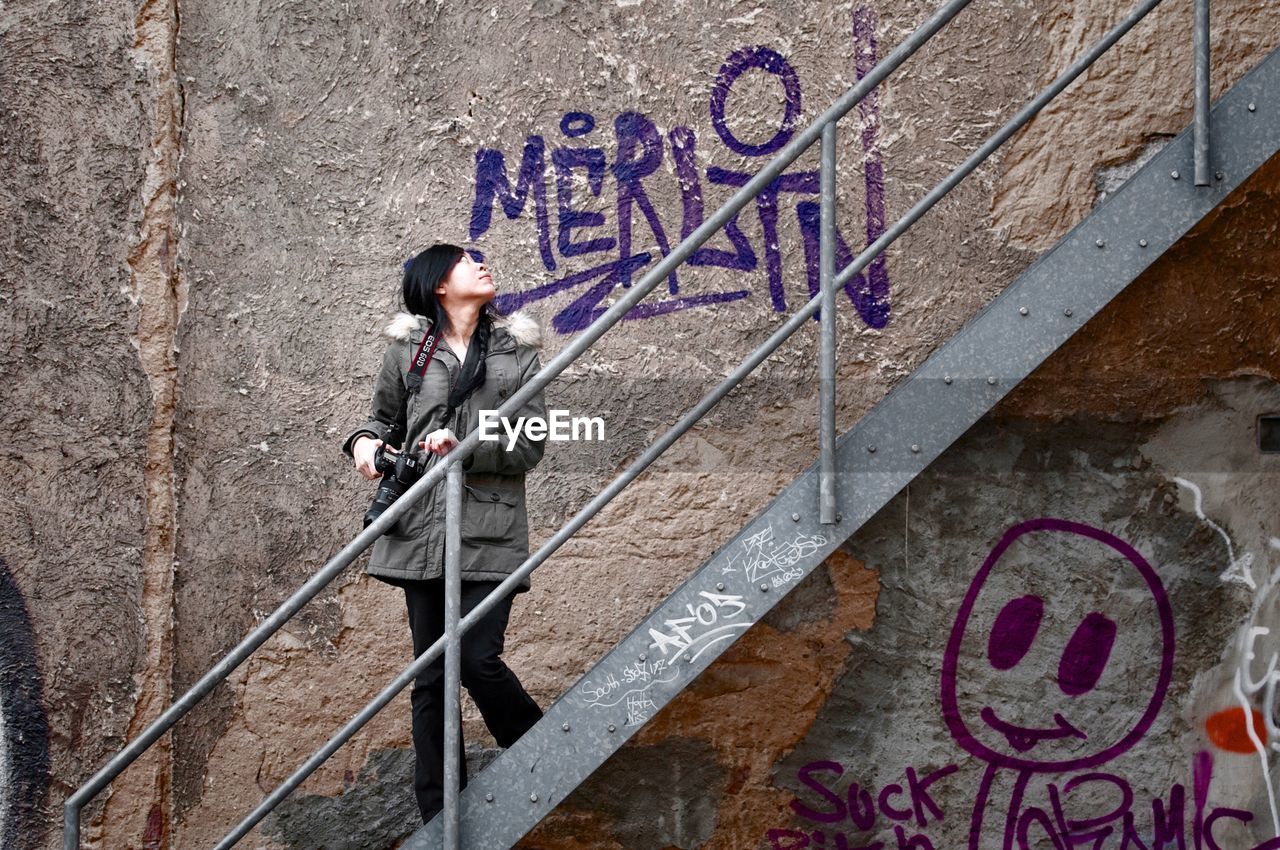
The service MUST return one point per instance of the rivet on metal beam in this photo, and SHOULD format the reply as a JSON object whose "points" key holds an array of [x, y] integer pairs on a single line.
{"points": [[1100, 243], [613, 728], [719, 585], [1253, 107], [1067, 312], [764, 588], [1218, 175], [1142, 243], [991, 379], [871, 449], [839, 518], [488, 798], [643, 657], [1023, 311], [533, 798], [915, 449], [1174, 175], [795, 517], [946, 379], [565, 727]]}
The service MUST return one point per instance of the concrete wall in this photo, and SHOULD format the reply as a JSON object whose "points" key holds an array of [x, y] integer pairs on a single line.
{"points": [[208, 209]]}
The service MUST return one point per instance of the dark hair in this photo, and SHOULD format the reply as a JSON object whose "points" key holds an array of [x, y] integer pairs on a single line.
{"points": [[422, 275]]}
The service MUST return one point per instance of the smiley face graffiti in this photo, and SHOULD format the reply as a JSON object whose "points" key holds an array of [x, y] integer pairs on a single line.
{"points": [[1047, 689]]}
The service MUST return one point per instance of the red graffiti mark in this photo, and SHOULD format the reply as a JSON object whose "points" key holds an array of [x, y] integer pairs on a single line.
{"points": [[1229, 730], [153, 835]]}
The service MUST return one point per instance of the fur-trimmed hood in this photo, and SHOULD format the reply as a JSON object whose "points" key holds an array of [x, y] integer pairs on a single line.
{"points": [[524, 329]]}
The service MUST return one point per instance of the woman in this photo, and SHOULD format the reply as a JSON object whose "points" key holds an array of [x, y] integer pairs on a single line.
{"points": [[481, 359]]}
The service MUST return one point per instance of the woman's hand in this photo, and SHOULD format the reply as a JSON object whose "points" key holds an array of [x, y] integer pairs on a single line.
{"points": [[439, 442], [363, 451]]}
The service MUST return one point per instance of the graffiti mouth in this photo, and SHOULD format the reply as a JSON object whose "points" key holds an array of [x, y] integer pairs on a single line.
{"points": [[1022, 739]]}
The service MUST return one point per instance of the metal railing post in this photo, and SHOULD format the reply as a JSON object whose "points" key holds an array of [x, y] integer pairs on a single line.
{"points": [[71, 825], [1201, 131], [827, 362], [453, 652]]}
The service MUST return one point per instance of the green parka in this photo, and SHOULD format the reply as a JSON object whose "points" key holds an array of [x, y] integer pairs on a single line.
{"points": [[495, 526]]}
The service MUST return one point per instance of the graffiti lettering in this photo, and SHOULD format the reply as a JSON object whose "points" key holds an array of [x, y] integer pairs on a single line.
{"points": [[860, 816], [640, 150], [639, 709], [703, 628], [641, 675], [762, 557]]}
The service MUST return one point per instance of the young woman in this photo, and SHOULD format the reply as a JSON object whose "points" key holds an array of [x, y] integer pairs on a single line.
{"points": [[481, 359]]}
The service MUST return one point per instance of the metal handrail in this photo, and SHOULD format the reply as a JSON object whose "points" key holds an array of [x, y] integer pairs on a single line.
{"points": [[823, 127], [1200, 44]]}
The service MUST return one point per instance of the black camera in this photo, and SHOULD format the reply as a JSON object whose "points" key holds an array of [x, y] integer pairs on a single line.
{"points": [[400, 471]]}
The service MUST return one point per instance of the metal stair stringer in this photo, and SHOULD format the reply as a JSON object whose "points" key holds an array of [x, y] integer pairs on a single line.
{"points": [[881, 454]]}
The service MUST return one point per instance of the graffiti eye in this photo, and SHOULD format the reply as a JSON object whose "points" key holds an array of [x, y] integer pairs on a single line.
{"points": [[1014, 631], [1086, 655]]}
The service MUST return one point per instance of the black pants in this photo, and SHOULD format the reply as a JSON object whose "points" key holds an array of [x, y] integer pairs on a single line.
{"points": [[507, 710]]}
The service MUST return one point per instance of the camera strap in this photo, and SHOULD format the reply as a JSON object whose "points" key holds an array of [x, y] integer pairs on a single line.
{"points": [[421, 360], [413, 382]]}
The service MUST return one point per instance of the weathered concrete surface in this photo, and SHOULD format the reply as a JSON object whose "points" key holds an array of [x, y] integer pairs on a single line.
{"points": [[87, 132], [1126, 99], [319, 148], [1206, 309]]}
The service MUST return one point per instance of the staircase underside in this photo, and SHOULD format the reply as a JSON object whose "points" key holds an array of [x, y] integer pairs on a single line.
{"points": [[879, 456]]}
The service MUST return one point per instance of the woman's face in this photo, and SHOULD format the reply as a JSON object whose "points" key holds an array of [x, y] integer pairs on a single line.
{"points": [[469, 281]]}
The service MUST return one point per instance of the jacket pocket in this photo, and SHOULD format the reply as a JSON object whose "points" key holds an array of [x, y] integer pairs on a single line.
{"points": [[490, 515]]}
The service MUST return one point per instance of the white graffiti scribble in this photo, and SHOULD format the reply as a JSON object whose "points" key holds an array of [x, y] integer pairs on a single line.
{"points": [[642, 674], [1239, 570], [639, 709], [762, 557], [1247, 690], [705, 626]]}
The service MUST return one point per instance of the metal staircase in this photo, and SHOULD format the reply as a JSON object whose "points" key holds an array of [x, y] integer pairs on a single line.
{"points": [[853, 478]]}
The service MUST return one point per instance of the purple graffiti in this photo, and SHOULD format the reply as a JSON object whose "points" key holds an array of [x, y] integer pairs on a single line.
{"points": [[639, 155], [565, 160], [738, 63], [906, 807], [582, 230], [575, 124], [1079, 668], [876, 282], [684, 151], [1095, 809], [493, 184], [1086, 655], [1039, 748], [1014, 631]]}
